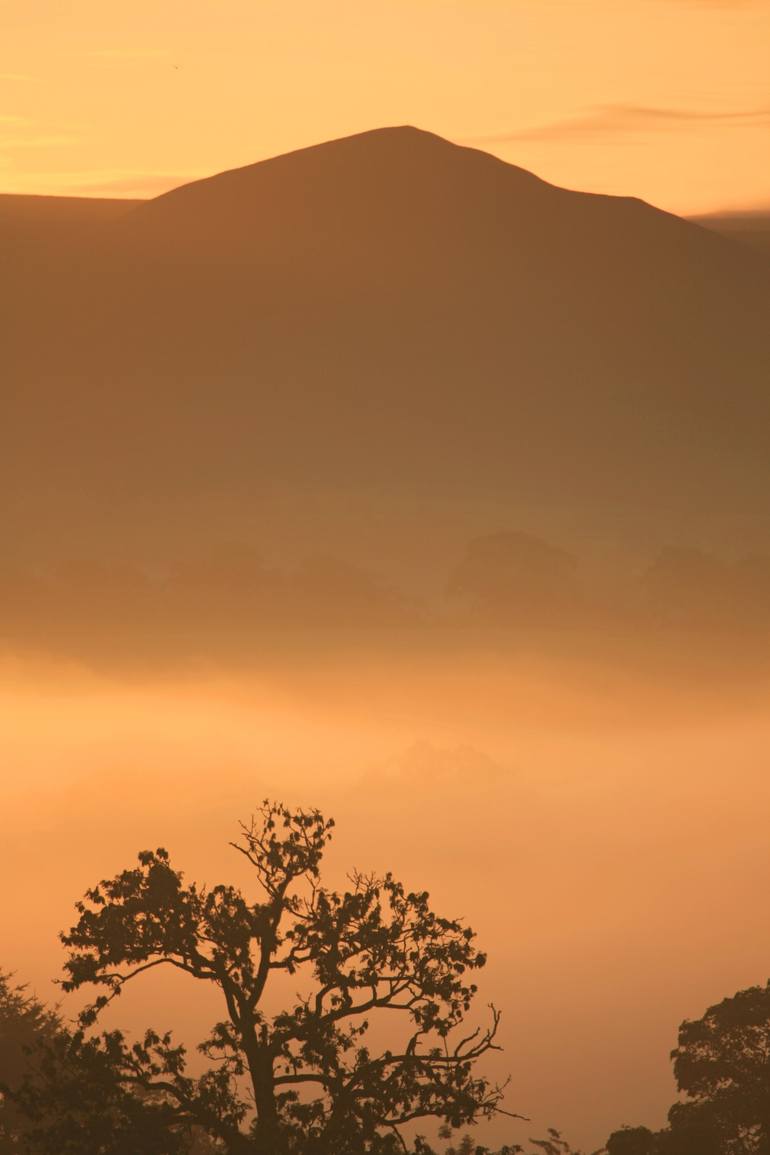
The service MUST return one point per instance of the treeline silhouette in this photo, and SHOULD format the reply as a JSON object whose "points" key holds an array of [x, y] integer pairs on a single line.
{"points": [[506, 588], [313, 1078]]}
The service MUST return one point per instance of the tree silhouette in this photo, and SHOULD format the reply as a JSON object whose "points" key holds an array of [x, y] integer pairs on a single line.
{"points": [[63, 1094], [24, 1023], [553, 1144], [634, 1141], [722, 1068], [78, 1096], [303, 1079], [722, 1065]]}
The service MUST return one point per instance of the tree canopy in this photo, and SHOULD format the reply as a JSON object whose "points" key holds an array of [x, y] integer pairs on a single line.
{"points": [[306, 1078], [722, 1070], [24, 1023], [722, 1066]]}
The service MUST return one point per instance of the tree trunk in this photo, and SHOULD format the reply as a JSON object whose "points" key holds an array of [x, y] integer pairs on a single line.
{"points": [[268, 1131]]}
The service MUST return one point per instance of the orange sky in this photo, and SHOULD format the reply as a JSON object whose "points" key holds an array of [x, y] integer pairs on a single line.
{"points": [[664, 99]]}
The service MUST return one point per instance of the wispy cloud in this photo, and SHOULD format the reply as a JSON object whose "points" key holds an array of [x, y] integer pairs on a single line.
{"points": [[133, 184], [38, 140], [121, 183], [127, 54], [729, 4], [617, 119], [12, 121]]}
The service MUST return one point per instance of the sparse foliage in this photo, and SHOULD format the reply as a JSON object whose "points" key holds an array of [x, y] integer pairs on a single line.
{"points": [[553, 1144]]}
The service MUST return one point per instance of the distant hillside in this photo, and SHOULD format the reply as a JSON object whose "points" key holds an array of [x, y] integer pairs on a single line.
{"points": [[751, 228], [376, 348], [18, 211], [46, 220]]}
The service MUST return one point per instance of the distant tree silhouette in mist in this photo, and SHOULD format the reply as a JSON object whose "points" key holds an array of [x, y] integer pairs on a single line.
{"points": [[24, 1024], [65, 1095], [722, 1068], [553, 1144], [300, 1080], [512, 576]]}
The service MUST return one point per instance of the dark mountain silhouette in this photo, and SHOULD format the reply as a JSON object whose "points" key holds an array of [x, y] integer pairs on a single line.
{"points": [[382, 315], [29, 224], [18, 212], [750, 228]]}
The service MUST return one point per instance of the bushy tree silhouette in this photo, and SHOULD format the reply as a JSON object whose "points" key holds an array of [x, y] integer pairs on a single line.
{"points": [[722, 1068], [63, 1094], [80, 1096], [303, 1079], [24, 1024]]}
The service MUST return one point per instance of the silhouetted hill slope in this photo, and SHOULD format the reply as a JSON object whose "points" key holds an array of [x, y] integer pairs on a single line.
{"points": [[750, 228], [46, 220], [18, 211], [389, 311]]}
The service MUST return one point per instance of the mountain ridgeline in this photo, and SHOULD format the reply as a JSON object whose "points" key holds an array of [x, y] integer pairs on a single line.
{"points": [[289, 352]]}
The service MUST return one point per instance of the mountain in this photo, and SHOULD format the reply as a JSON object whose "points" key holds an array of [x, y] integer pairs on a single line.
{"points": [[46, 224], [372, 347], [750, 228]]}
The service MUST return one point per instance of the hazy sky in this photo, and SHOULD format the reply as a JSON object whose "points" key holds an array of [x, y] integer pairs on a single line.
{"points": [[665, 99]]}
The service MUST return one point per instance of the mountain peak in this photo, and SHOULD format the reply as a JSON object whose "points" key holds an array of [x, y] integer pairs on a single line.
{"points": [[400, 194], [398, 178], [393, 142]]}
